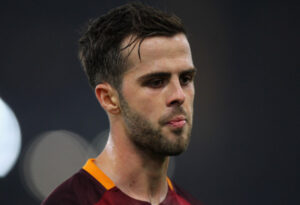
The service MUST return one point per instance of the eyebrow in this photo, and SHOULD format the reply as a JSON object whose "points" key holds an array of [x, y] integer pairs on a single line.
{"points": [[192, 71], [154, 75], [163, 74]]}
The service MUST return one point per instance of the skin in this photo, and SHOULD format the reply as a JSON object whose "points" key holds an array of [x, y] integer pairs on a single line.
{"points": [[150, 118]]}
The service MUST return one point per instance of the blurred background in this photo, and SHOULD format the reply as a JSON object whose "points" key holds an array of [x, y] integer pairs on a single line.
{"points": [[245, 139]]}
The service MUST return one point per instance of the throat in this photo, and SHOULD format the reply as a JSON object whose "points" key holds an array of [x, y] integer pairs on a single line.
{"points": [[140, 175], [153, 192]]}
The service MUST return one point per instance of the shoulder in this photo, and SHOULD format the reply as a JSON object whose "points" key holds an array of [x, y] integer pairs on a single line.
{"points": [[188, 197], [78, 187]]}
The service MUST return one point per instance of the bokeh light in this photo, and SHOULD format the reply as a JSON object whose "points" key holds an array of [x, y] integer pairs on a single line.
{"points": [[51, 159], [10, 139], [98, 143]]}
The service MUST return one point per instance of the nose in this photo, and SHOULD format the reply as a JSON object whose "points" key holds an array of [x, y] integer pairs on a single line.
{"points": [[176, 95]]}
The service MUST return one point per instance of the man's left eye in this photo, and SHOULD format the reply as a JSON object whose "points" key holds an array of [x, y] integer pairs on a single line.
{"points": [[186, 79]]}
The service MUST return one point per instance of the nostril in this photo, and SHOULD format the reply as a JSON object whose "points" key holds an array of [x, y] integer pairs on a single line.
{"points": [[176, 102]]}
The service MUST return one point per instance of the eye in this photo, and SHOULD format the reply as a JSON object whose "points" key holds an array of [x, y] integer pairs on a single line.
{"points": [[156, 83], [185, 79]]}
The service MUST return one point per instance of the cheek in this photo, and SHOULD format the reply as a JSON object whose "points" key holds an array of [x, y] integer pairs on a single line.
{"points": [[149, 106], [190, 99], [142, 102]]}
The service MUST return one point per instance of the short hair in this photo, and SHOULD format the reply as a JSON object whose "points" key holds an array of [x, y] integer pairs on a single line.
{"points": [[100, 45]]}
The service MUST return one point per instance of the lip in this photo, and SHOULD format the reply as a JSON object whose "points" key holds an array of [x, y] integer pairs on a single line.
{"points": [[177, 122]]}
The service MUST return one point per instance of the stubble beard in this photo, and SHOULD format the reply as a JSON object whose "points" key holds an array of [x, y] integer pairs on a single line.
{"points": [[148, 138]]}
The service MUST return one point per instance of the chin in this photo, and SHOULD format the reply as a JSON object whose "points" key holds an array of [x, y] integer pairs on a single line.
{"points": [[175, 146]]}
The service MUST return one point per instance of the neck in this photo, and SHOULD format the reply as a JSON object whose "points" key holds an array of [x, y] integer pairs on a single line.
{"points": [[140, 175]]}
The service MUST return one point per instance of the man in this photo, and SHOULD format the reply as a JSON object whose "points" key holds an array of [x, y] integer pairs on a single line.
{"points": [[138, 60]]}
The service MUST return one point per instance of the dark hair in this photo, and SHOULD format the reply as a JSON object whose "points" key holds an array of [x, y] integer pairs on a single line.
{"points": [[100, 45]]}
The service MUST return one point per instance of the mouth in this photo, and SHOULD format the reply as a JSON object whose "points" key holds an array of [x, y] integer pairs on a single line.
{"points": [[177, 122]]}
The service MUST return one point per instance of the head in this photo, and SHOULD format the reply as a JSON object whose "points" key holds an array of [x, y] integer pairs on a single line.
{"points": [[101, 45], [139, 61]]}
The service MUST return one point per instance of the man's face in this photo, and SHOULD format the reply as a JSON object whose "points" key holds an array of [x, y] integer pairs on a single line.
{"points": [[157, 95]]}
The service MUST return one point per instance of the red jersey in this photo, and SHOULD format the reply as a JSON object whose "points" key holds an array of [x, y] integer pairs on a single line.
{"points": [[90, 186]]}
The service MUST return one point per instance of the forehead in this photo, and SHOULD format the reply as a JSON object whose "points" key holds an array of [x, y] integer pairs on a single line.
{"points": [[159, 53]]}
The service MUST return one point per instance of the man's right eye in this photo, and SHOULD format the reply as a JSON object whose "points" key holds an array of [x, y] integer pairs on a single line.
{"points": [[155, 83]]}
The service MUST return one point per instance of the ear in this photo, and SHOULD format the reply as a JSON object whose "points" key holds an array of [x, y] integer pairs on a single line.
{"points": [[108, 98]]}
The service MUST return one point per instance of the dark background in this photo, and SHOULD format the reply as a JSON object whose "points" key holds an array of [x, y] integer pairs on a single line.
{"points": [[245, 141]]}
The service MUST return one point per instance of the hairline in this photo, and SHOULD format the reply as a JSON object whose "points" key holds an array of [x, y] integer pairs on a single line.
{"points": [[133, 43]]}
